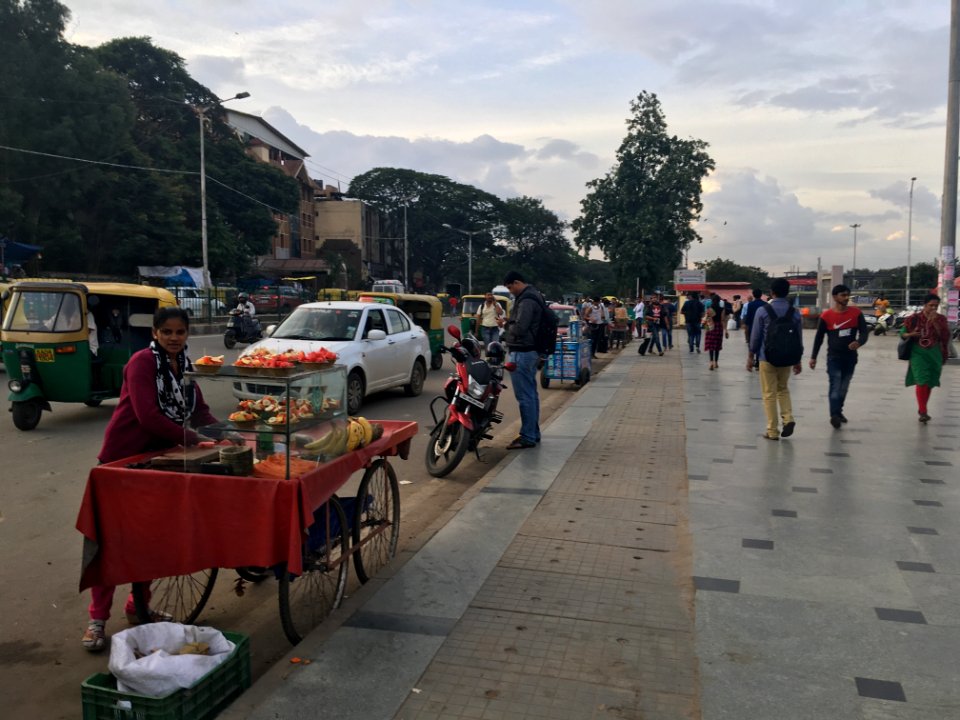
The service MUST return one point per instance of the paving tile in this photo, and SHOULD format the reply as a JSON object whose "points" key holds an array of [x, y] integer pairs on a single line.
{"points": [[880, 689], [928, 503], [907, 616], [784, 513], [757, 544], [800, 489], [922, 530], [716, 584], [910, 566]]}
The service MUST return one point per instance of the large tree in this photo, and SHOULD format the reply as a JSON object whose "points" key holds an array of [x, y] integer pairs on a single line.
{"points": [[640, 213]]}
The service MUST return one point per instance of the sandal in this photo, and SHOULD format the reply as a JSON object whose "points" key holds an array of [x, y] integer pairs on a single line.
{"points": [[155, 616], [95, 638], [521, 444]]}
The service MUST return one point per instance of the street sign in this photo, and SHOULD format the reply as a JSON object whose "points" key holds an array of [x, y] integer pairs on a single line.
{"points": [[683, 276]]}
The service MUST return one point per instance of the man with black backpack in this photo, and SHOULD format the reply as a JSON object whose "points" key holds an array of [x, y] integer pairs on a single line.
{"points": [[776, 337], [525, 338]]}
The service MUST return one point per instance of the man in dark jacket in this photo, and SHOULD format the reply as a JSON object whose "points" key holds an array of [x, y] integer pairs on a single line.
{"points": [[520, 339], [846, 330], [692, 312]]}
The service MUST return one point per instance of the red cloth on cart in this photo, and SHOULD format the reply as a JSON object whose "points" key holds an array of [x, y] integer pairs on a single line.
{"points": [[142, 524]]}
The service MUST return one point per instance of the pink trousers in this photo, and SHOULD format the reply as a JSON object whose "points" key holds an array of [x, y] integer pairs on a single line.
{"points": [[101, 600]]}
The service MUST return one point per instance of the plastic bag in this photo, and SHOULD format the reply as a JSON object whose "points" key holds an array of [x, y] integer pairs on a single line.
{"points": [[731, 324], [162, 670]]}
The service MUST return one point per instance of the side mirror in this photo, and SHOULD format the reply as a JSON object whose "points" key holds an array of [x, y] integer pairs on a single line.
{"points": [[376, 335], [454, 331], [270, 330]]}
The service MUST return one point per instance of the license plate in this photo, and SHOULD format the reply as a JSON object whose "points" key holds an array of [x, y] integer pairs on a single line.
{"points": [[472, 401], [44, 355]]}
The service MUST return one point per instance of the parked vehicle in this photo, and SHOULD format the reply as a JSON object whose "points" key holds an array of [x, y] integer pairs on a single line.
{"points": [[470, 395], [47, 338], [387, 286], [276, 299], [241, 328], [883, 323], [469, 304], [380, 346], [564, 314], [197, 302], [425, 310]]}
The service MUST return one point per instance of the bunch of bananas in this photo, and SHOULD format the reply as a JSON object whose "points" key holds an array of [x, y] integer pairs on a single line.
{"points": [[333, 444], [357, 433], [360, 433]]}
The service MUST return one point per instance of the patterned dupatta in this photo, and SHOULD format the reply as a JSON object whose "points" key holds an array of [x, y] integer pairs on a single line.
{"points": [[176, 401]]}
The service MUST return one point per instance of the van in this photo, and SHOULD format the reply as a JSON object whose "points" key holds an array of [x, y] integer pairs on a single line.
{"points": [[387, 286]]}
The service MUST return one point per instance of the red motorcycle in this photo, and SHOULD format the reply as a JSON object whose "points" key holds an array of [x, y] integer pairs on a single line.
{"points": [[470, 396]]}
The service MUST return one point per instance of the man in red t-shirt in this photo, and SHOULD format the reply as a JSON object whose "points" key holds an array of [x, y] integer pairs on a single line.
{"points": [[846, 330]]}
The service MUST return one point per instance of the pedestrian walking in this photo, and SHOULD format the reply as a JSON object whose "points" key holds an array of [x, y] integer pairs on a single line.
{"points": [[930, 339], [716, 318], [846, 331], [520, 339], [749, 312], [668, 312], [653, 317], [737, 311], [639, 317], [692, 311], [490, 318], [777, 339]]}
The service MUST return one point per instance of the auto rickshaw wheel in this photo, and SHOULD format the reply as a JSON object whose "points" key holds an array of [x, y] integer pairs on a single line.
{"points": [[436, 361], [26, 414]]}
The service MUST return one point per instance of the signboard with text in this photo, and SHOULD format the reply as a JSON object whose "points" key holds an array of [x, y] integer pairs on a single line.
{"points": [[689, 277]]}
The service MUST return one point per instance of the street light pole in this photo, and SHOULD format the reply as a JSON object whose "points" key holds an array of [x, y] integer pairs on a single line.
{"points": [[906, 292], [469, 234], [853, 270], [201, 115], [406, 281]]}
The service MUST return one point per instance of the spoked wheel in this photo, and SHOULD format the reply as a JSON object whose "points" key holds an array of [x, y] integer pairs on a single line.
{"points": [[182, 597], [376, 519], [446, 448], [307, 599]]}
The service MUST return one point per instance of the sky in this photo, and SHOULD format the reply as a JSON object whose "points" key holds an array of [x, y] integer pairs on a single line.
{"points": [[817, 112]]}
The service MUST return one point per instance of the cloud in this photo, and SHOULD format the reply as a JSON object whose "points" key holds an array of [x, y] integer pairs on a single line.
{"points": [[219, 71], [566, 150], [926, 205]]}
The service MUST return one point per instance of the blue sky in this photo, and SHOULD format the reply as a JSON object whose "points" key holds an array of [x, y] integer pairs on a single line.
{"points": [[817, 112]]}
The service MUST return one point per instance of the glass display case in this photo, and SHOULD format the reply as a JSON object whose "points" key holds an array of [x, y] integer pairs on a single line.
{"points": [[273, 416]]}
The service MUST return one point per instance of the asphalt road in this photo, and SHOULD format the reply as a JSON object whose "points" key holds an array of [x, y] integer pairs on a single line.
{"points": [[44, 473]]}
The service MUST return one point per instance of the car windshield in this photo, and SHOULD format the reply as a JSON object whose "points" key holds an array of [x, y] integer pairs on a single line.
{"points": [[43, 312], [471, 305], [323, 323], [563, 316]]}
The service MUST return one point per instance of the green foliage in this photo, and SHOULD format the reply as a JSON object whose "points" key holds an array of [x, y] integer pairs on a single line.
{"points": [[721, 270], [641, 212], [923, 276], [126, 102]]}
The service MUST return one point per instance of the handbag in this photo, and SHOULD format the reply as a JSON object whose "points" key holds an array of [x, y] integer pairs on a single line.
{"points": [[904, 348]]}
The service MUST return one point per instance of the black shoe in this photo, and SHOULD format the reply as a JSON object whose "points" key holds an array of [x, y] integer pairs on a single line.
{"points": [[836, 421], [788, 429], [843, 418]]}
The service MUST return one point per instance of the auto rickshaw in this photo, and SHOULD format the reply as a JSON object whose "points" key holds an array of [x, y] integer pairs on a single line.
{"points": [[425, 310], [331, 294], [469, 304], [46, 336]]}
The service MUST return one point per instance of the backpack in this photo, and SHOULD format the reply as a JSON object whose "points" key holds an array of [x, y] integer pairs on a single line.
{"points": [[783, 344], [545, 338]]}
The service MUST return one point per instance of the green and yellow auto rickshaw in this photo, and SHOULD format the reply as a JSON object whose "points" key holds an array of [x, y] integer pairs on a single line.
{"points": [[425, 311], [49, 333], [470, 304]]}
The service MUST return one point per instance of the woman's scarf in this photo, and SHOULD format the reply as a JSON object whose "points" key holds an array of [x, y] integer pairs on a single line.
{"points": [[176, 401]]}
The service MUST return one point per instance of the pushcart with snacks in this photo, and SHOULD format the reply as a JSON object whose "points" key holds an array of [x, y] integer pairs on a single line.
{"points": [[268, 501], [571, 359]]}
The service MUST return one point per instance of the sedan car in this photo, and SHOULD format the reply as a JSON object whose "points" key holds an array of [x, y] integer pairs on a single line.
{"points": [[274, 299], [379, 345]]}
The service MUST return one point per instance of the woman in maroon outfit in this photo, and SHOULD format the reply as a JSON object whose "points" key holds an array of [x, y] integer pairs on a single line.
{"points": [[716, 320], [153, 413]]}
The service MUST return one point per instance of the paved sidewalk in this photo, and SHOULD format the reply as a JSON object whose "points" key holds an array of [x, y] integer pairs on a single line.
{"points": [[826, 571]]}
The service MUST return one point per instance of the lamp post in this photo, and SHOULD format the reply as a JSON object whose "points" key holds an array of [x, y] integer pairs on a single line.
{"points": [[469, 234], [853, 270], [406, 250], [906, 290], [201, 115]]}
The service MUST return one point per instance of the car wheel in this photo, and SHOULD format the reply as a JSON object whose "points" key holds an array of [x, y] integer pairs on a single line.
{"points": [[417, 376], [355, 388]]}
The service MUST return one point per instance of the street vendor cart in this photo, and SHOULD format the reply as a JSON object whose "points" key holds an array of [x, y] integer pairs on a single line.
{"points": [[266, 503], [571, 359]]}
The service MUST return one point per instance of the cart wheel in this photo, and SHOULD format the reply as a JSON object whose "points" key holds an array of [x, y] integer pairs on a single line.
{"points": [[307, 599], [180, 596], [376, 519], [254, 574], [544, 380], [584, 377]]}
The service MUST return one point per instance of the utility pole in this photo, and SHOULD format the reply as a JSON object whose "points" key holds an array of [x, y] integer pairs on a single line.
{"points": [[948, 218], [853, 270], [906, 290]]}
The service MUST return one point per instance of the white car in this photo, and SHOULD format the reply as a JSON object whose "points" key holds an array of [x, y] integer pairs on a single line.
{"points": [[379, 344], [195, 301]]}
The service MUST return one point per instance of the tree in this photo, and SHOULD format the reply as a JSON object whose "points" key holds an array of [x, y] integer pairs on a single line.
{"points": [[641, 212], [720, 270]]}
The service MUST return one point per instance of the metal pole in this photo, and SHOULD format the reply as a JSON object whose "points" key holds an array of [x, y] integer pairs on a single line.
{"points": [[948, 220], [470, 262], [406, 281], [853, 270], [906, 290], [203, 202]]}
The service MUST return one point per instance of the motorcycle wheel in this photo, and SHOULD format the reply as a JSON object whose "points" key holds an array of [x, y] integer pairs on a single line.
{"points": [[446, 448], [229, 339]]}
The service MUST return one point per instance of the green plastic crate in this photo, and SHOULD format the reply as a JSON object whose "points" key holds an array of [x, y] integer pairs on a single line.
{"points": [[212, 693]]}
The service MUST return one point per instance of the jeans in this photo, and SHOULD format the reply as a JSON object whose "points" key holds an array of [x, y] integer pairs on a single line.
{"points": [[667, 333], [525, 390], [694, 331], [655, 337], [840, 372], [773, 388], [489, 335]]}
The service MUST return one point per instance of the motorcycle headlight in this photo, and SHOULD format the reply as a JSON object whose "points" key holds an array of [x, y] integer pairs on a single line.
{"points": [[475, 389]]}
